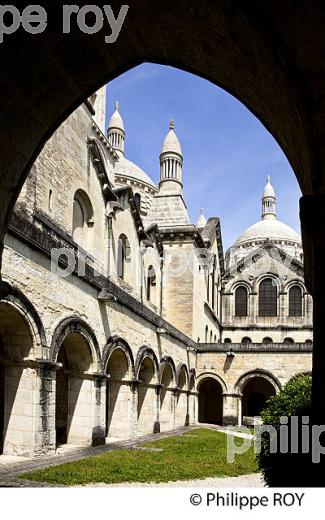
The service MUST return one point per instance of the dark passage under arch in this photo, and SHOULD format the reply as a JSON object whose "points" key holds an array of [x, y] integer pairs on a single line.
{"points": [[256, 393], [210, 401]]}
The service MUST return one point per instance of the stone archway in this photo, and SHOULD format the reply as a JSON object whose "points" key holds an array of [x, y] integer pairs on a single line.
{"points": [[255, 393], [74, 392], [210, 401], [18, 382], [167, 408], [118, 395], [147, 401], [227, 43]]}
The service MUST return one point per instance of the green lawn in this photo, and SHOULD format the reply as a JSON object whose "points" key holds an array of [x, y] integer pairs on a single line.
{"points": [[198, 454]]}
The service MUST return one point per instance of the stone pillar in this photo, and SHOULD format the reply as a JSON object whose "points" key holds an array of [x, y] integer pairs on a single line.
{"points": [[134, 409], [99, 419], [187, 418], [175, 394], [192, 407], [230, 408], [283, 307], [253, 307], [45, 417], [156, 426]]}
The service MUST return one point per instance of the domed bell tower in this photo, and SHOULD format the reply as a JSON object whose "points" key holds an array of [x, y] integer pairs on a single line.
{"points": [[171, 163]]}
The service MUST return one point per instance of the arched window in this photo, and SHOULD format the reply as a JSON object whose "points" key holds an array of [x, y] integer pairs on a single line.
{"points": [[267, 341], [206, 334], [268, 297], [211, 336], [309, 341], [288, 341], [227, 340], [137, 198], [123, 254], [241, 301], [295, 301], [82, 218], [151, 281], [246, 340]]}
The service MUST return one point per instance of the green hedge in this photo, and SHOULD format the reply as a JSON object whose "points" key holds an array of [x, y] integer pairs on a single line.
{"points": [[286, 469]]}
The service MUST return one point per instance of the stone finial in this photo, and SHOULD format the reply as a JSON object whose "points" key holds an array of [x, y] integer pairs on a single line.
{"points": [[171, 124], [116, 105]]}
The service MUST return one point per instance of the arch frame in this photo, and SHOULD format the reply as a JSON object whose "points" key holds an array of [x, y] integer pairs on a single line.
{"points": [[14, 297], [210, 375], [117, 343], [257, 282], [181, 367], [143, 353], [258, 372], [75, 324], [167, 360]]}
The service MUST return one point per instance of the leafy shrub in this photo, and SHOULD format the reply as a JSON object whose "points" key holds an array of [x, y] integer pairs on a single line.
{"points": [[286, 469]]}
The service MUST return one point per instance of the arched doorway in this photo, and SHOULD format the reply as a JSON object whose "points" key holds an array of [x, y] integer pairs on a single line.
{"points": [[74, 392], [210, 401], [17, 383], [147, 403], [256, 392], [167, 411], [118, 395]]}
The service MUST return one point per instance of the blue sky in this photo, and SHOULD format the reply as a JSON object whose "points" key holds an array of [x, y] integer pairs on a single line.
{"points": [[227, 151]]}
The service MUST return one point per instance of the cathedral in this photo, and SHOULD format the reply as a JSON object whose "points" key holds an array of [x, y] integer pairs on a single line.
{"points": [[120, 317]]}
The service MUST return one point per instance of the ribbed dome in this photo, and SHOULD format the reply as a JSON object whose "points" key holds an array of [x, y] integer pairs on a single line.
{"points": [[116, 120], [171, 142], [273, 229], [126, 168]]}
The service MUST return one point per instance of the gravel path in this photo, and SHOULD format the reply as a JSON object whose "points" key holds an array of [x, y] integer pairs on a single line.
{"points": [[252, 480]]}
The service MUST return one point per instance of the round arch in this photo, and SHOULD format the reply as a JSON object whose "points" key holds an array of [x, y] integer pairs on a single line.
{"points": [[232, 63], [167, 361], [257, 282], [75, 324], [210, 390], [258, 372], [146, 352], [182, 368], [15, 298], [22, 341], [211, 375], [243, 283], [114, 344]]}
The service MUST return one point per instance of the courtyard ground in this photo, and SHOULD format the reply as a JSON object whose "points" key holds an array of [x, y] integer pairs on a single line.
{"points": [[196, 456]]}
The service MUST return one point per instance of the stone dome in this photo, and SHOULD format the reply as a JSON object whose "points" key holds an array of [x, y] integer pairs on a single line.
{"points": [[272, 229], [127, 169], [171, 142], [268, 229]]}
